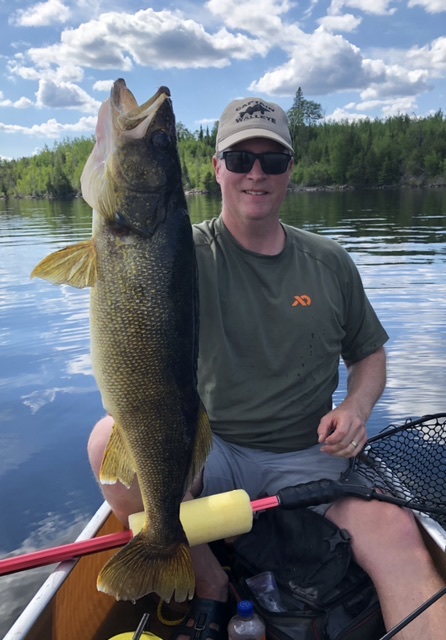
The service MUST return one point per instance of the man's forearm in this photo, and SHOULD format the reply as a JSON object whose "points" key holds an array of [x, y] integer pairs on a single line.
{"points": [[366, 381]]}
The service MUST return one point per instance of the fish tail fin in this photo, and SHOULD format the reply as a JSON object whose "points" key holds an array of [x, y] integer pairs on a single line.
{"points": [[142, 567], [76, 266], [203, 444]]}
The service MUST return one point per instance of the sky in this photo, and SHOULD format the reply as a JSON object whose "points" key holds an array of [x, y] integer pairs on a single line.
{"points": [[356, 58]]}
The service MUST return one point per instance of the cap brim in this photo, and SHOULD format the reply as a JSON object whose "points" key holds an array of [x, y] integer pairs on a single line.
{"points": [[247, 134]]}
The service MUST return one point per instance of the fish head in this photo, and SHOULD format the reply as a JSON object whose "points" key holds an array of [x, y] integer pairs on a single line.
{"points": [[132, 178]]}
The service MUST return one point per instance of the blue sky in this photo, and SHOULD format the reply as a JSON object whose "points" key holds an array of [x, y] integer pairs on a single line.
{"points": [[357, 58]]}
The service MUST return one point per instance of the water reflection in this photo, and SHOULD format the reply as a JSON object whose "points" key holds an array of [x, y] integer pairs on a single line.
{"points": [[48, 397]]}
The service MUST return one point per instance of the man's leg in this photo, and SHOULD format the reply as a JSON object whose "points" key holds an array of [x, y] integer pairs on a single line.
{"points": [[387, 544]]}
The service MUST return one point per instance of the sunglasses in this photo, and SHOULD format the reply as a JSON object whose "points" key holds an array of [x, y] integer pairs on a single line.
{"points": [[272, 162]]}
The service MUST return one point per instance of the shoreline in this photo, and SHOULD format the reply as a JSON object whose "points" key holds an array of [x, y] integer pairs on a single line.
{"points": [[409, 185]]}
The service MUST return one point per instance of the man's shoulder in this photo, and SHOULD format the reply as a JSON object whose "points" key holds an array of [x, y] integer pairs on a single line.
{"points": [[313, 243], [205, 232]]}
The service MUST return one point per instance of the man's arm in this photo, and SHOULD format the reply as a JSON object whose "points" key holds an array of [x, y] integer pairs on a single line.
{"points": [[342, 432]]}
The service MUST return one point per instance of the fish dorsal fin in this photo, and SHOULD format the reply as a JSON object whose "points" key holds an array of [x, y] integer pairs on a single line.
{"points": [[203, 444], [116, 464], [76, 266]]}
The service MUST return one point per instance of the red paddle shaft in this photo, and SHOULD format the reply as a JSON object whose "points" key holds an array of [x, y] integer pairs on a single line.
{"points": [[93, 545], [64, 552]]}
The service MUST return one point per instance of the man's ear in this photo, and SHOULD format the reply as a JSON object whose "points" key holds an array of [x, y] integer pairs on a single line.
{"points": [[217, 164], [290, 169]]}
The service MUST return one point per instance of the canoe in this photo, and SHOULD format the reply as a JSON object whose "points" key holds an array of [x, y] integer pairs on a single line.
{"points": [[69, 607]]}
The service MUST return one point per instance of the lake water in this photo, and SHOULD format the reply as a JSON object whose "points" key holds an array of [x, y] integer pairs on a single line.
{"points": [[48, 397]]}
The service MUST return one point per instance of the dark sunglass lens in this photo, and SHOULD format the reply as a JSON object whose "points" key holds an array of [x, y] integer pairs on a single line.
{"points": [[239, 161], [274, 163], [243, 161]]}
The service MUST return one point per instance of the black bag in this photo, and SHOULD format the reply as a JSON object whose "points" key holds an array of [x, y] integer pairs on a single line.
{"points": [[325, 594]]}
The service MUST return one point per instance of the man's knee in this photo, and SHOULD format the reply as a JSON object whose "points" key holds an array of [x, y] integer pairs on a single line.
{"points": [[377, 525], [97, 443]]}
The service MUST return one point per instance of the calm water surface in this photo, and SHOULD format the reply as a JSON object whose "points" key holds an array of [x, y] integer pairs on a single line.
{"points": [[48, 397]]}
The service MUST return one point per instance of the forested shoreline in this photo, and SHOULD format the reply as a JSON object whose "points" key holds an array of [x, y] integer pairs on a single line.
{"points": [[394, 152]]}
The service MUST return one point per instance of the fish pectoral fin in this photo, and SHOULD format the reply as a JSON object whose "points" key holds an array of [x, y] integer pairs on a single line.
{"points": [[76, 266], [116, 464], [203, 444], [142, 567]]}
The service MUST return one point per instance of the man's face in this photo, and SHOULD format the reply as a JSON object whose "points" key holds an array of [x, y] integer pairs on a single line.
{"points": [[254, 195]]}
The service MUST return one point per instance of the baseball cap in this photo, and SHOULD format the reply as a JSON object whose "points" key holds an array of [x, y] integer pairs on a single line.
{"points": [[253, 118]]}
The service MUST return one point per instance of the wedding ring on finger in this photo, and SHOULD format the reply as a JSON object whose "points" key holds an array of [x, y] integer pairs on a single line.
{"points": [[354, 444]]}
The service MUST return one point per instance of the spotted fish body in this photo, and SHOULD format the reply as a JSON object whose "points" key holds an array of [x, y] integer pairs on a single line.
{"points": [[140, 264]]}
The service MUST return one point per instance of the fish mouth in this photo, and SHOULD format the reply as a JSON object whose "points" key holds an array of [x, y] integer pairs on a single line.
{"points": [[128, 115]]}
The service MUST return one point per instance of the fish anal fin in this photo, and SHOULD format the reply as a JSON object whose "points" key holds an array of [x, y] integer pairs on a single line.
{"points": [[75, 265], [116, 464], [140, 568], [203, 444]]}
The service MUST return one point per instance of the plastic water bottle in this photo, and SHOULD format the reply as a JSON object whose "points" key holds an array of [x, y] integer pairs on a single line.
{"points": [[246, 624]]}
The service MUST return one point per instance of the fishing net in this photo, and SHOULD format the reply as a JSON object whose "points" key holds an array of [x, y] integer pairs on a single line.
{"points": [[409, 462]]}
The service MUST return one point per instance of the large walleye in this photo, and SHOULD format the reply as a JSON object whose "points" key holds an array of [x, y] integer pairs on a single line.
{"points": [[140, 265]]}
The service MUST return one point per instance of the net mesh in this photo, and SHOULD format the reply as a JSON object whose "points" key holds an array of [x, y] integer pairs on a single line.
{"points": [[409, 461]]}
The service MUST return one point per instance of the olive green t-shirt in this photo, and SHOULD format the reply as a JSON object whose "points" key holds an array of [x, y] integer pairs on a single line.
{"points": [[272, 330]]}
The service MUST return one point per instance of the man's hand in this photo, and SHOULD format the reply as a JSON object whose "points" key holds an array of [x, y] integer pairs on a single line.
{"points": [[342, 432]]}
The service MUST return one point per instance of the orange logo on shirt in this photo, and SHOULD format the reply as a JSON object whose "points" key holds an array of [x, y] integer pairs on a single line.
{"points": [[304, 300]]}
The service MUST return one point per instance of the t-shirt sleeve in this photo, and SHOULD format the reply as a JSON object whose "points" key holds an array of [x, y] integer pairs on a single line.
{"points": [[364, 333]]}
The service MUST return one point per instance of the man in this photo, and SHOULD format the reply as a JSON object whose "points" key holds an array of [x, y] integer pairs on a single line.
{"points": [[279, 307]]}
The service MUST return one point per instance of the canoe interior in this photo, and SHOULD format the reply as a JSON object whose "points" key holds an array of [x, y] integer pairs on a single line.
{"points": [[79, 612]]}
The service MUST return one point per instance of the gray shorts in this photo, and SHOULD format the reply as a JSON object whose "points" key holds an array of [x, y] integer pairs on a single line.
{"points": [[261, 473]]}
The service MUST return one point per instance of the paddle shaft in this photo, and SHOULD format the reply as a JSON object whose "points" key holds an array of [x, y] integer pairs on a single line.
{"points": [[86, 547], [63, 552], [302, 495]]}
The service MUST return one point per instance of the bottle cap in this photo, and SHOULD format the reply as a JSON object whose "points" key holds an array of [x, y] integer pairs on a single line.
{"points": [[245, 608]]}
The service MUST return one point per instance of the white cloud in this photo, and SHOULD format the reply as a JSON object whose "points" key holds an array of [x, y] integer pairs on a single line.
{"points": [[21, 103], [321, 62], [63, 73], [393, 81], [355, 111], [342, 114], [52, 128], [432, 56], [258, 17], [431, 6], [376, 7], [346, 23], [65, 95], [42, 14], [161, 40], [103, 85]]}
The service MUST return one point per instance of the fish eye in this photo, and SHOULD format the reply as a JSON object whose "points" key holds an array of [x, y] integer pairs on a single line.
{"points": [[120, 226], [161, 139]]}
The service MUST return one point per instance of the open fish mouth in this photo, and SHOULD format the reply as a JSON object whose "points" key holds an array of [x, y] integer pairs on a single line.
{"points": [[129, 114]]}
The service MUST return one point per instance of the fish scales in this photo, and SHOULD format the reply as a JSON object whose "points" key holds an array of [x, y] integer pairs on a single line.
{"points": [[140, 265]]}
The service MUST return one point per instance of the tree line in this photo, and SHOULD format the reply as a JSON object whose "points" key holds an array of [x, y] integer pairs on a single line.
{"points": [[396, 151]]}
